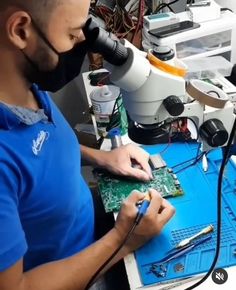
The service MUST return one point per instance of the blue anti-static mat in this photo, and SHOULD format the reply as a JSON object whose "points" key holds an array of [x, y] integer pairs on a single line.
{"points": [[194, 211]]}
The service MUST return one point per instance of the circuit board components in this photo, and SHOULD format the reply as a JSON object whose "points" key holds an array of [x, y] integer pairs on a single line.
{"points": [[114, 189]]}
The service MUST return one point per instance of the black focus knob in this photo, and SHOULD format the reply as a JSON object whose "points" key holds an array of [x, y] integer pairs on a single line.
{"points": [[164, 53], [173, 105], [213, 132]]}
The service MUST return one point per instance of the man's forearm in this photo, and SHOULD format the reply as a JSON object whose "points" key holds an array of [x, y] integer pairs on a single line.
{"points": [[73, 273], [93, 156]]}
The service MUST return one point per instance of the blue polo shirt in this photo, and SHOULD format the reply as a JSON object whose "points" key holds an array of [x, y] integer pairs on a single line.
{"points": [[46, 208]]}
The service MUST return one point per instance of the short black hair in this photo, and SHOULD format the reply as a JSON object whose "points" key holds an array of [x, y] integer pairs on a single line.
{"points": [[37, 8]]}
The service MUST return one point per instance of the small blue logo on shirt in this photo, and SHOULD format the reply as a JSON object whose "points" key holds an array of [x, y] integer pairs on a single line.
{"points": [[38, 143]]}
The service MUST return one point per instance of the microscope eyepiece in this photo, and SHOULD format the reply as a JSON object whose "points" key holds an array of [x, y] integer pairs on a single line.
{"points": [[105, 43]]}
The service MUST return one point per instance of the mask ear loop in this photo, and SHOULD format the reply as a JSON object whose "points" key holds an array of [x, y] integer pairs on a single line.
{"points": [[43, 37], [34, 65]]}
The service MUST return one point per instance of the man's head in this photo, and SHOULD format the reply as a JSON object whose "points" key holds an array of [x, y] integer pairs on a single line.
{"points": [[60, 21]]}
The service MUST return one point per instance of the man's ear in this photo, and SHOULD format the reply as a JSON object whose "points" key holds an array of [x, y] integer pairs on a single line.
{"points": [[19, 29]]}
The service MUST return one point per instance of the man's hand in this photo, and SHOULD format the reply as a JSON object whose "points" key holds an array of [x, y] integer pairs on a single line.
{"points": [[128, 160], [158, 214]]}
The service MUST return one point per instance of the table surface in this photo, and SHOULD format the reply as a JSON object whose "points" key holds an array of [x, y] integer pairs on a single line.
{"points": [[130, 262]]}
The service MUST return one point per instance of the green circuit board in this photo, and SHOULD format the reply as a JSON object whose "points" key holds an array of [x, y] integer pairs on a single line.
{"points": [[115, 189]]}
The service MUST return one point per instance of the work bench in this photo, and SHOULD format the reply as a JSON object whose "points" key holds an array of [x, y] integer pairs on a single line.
{"points": [[204, 206]]}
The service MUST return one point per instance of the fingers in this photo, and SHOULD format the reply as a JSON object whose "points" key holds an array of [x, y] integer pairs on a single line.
{"points": [[158, 213], [141, 157], [155, 202], [135, 196], [130, 203], [146, 168], [160, 207], [132, 161], [137, 173], [167, 212]]}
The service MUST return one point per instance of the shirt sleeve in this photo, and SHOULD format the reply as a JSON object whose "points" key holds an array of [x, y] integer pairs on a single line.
{"points": [[12, 238]]}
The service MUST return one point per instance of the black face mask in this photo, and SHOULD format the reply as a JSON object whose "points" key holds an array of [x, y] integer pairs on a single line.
{"points": [[68, 67]]}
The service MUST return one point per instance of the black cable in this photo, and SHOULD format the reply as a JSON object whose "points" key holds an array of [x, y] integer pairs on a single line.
{"points": [[173, 2], [196, 160], [115, 115], [226, 9], [191, 164], [182, 163], [92, 279], [168, 6], [219, 205], [163, 5], [114, 118]]}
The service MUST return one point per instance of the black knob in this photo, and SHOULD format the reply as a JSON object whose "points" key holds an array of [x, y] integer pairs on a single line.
{"points": [[173, 105], [164, 53], [213, 132]]}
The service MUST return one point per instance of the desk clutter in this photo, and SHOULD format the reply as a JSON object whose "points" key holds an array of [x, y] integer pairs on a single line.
{"points": [[186, 246], [196, 216]]}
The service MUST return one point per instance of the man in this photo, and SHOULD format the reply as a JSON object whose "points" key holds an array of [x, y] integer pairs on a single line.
{"points": [[46, 211]]}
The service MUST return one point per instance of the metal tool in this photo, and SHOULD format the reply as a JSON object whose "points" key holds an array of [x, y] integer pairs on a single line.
{"points": [[178, 253], [173, 283], [187, 241], [180, 283], [179, 268]]}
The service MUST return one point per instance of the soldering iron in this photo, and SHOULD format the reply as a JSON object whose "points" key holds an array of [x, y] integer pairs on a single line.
{"points": [[142, 209]]}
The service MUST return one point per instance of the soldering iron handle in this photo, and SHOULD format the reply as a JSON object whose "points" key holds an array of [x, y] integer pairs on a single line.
{"points": [[142, 210], [143, 207]]}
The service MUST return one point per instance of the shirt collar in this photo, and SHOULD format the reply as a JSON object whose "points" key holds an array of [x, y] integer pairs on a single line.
{"points": [[9, 120]]}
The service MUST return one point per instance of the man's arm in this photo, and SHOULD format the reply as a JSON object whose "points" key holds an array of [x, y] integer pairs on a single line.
{"points": [[121, 160], [69, 274], [93, 156], [74, 273]]}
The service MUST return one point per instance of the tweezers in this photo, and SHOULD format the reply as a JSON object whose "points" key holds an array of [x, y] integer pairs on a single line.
{"points": [[178, 253]]}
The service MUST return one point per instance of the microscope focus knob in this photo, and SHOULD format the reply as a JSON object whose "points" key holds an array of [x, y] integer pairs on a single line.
{"points": [[213, 132], [173, 105]]}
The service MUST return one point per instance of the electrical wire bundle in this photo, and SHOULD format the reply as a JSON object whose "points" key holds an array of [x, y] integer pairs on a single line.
{"points": [[115, 115], [121, 22], [139, 25], [180, 129], [117, 21], [177, 130]]}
